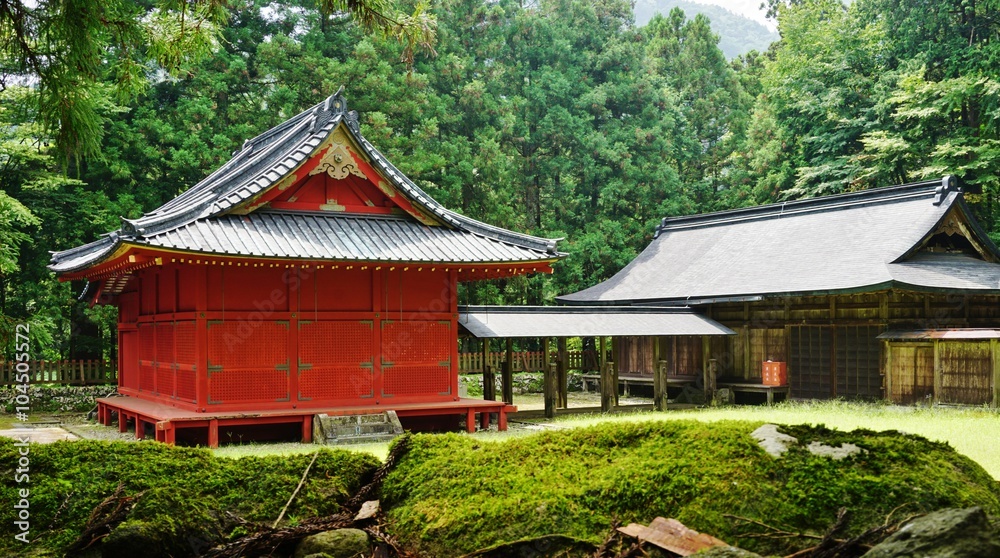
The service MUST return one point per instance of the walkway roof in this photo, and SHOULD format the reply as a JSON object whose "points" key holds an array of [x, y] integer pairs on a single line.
{"points": [[584, 321]]}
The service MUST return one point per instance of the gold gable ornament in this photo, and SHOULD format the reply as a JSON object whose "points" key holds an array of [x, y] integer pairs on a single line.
{"points": [[338, 163]]}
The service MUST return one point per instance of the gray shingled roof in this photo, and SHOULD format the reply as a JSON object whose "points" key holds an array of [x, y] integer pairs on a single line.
{"points": [[842, 243], [325, 236], [265, 160], [583, 321]]}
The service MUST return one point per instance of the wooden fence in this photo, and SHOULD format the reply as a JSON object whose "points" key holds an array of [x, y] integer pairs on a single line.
{"points": [[66, 372], [524, 361]]}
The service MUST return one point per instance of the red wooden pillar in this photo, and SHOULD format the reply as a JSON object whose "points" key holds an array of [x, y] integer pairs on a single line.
{"points": [[201, 335], [453, 309], [502, 419], [307, 433], [169, 432], [292, 282], [122, 421], [140, 430], [470, 420], [213, 433], [378, 285]]}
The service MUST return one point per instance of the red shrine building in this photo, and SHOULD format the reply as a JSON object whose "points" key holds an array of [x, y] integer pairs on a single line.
{"points": [[306, 275]]}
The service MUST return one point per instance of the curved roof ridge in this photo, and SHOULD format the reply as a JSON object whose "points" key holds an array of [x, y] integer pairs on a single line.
{"points": [[887, 194]]}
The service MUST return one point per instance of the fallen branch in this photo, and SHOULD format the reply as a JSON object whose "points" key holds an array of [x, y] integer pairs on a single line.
{"points": [[856, 546], [296, 492], [267, 539], [105, 517], [772, 531], [383, 538]]}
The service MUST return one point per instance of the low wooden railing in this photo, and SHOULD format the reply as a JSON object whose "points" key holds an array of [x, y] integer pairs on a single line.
{"points": [[66, 372], [524, 361]]}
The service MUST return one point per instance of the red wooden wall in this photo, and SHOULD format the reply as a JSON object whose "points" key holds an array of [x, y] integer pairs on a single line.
{"points": [[229, 337]]}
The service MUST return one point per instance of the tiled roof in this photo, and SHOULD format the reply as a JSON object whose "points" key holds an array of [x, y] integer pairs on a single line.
{"points": [[265, 160], [858, 241], [326, 236]]}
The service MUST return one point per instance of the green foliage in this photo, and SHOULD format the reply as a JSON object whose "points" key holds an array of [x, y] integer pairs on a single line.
{"points": [[186, 491], [575, 482], [875, 93]]}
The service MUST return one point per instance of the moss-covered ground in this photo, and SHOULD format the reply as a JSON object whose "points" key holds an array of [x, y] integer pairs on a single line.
{"points": [[187, 492], [970, 430], [454, 494]]}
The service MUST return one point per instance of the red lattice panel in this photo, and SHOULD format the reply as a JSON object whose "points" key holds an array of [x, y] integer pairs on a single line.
{"points": [[248, 385], [147, 342], [128, 363], [165, 343], [247, 344], [147, 376], [184, 343], [415, 380], [336, 383], [336, 343], [186, 385], [416, 341], [165, 380]]}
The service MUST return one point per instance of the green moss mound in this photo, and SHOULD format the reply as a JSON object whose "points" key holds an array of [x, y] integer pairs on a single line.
{"points": [[187, 491], [452, 494]]}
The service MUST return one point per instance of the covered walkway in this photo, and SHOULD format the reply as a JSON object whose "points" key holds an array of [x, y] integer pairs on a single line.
{"points": [[559, 323]]}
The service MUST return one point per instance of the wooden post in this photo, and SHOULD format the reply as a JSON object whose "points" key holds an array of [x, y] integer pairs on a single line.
{"points": [[995, 354], [707, 369], [508, 374], [887, 370], [200, 338], [489, 376], [307, 432], [615, 370], [607, 381], [937, 371], [562, 374], [659, 378], [550, 380], [213, 433]]}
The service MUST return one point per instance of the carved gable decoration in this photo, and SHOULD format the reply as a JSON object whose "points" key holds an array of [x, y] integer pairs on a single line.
{"points": [[338, 163]]}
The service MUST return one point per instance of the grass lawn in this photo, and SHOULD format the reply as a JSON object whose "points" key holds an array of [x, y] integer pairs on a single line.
{"points": [[971, 431]]}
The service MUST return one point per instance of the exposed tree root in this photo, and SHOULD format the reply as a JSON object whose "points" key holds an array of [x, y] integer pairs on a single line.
{"points": [[105, 517], [830, 544]]}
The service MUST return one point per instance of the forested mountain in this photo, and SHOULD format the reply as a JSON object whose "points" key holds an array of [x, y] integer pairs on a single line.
{"points": [[560, 118], [737, 34]]}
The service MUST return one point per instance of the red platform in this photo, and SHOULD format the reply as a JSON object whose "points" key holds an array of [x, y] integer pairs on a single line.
{"points": [[168, 419]]}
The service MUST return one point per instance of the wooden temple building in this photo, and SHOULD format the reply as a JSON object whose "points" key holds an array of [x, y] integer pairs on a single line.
{"points": [[890, 293], [306, 275]]}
